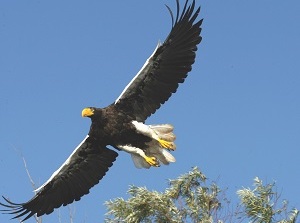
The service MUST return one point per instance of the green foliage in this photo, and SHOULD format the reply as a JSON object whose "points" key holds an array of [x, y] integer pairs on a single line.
{"points": [[189, 199], [260, 204]]}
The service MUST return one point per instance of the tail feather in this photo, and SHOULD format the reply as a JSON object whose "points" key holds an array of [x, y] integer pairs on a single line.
{"points": [[169, 157], [162, 128], [168, 137], [139, 161], [165, 157], [164, 131]]}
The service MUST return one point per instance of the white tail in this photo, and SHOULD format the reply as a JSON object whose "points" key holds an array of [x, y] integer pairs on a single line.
{"points": [[164, 131], [162, 140]]}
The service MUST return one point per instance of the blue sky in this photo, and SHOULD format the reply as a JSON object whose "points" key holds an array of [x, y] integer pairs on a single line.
{"points": [[236, 117]]}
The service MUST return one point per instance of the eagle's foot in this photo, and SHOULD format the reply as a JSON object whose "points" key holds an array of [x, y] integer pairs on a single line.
{"points": [[152, 161], [166, 144]]}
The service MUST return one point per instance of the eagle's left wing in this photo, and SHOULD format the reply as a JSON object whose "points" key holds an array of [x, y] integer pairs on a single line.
{"points": [[82, 170], [166, 67]]}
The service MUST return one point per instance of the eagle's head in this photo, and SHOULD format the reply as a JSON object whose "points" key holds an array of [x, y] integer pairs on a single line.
{"points": [[88, 112]]}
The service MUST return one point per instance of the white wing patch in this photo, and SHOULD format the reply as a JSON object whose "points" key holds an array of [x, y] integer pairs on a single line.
{"points": [[136, 77], [64, 164]]}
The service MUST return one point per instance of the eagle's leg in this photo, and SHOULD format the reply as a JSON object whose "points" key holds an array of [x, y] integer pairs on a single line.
{"points": [[167, 145], [163, 134], [151, 160]]}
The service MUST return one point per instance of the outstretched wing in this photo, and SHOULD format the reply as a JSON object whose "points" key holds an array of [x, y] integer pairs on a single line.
{"points": [[166, 67], [82, 170]]}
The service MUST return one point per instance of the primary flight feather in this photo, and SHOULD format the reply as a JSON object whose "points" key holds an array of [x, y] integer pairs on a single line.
{"points": [[121, 124]]}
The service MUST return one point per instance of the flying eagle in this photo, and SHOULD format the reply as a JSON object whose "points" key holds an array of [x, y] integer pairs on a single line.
{"points": [[121, 124]]}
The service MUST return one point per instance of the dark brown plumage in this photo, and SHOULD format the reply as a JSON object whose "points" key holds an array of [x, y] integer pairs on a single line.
{"points": [[121, 124]]}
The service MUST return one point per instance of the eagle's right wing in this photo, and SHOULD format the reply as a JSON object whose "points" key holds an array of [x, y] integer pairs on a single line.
{"points": [[88, 163]]}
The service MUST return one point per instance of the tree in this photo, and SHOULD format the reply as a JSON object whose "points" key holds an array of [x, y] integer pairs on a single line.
{"points": [[259, 204], [189, 199]]}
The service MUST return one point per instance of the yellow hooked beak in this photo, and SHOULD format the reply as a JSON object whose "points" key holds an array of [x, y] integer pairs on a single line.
{"points": [[87, 112]]}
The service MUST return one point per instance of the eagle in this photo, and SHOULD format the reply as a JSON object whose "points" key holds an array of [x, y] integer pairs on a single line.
{"points": [[121, 125]]}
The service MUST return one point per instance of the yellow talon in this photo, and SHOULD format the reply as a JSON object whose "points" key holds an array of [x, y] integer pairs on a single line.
{"points": [[166, 144], [152, 161]]}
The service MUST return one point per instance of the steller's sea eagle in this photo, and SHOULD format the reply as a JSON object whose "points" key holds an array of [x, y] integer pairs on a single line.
{"points": [[121, 124]]}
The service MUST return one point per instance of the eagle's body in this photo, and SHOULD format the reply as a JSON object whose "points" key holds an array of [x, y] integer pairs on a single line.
{"points": [[119, 129], [106, 122], [122, 124]]}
